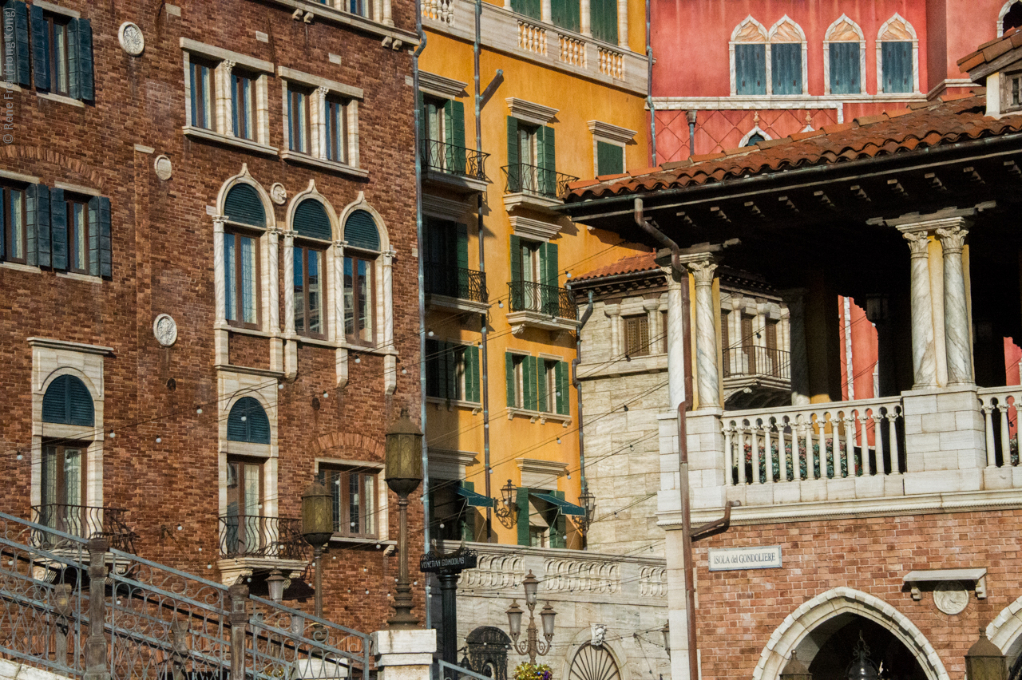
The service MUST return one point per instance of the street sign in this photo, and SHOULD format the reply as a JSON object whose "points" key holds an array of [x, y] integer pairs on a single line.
{"points": [[765, 557], [454, 562]]}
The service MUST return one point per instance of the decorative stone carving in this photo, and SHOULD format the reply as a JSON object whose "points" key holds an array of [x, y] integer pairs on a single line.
{"points": [[278, 194], [131, 38], [165, 330], [951, 597], [163, 167], [653, 581], [599, 634], [571, 575]]}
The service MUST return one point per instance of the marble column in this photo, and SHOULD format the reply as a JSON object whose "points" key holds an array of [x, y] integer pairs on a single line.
{"points": [[278, 360], [706, 333], [613, 312], [797, 346], [222, 88], [338, 321], [956, 309], [390, 360], [289, 287], [924, 360], [652, 309], [676, 368], [220, 292]]}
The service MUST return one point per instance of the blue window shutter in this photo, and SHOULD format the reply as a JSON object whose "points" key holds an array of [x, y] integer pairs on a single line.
{"points": [[750, 69], [360, 231], [312, 220], [37, 220], [786, 68], [40, 49], [58, 229], [79, 403], [73, 61], [68, 402], [845, 74], [19, 17], [86, 84], [244, 206], [105, 241], [897, 66], [255, 428], [94, 236], [55, 402]]}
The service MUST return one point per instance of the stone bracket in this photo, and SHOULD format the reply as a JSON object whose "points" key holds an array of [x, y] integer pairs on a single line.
{"points": [[975, 576]]}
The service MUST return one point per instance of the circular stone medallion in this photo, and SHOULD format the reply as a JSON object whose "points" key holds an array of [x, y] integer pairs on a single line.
{"points": [[131, 38], [951, 597], [278, 194], [165, 330], [164, 168]]}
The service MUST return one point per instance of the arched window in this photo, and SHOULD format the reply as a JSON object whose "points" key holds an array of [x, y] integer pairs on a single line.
{"points": [[787, 45], [247, 422], [593, 663], [896, 56], [844, 51], [1010, 17], [244, 206], [754, 139], [313, 234], [361, 235], [748, 46], [68, 402], [243, 209]]}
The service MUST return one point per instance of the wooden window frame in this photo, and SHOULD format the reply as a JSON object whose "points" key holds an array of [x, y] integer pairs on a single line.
{"points": [[61, 490], [237, 235], [355, 299], [56, 64], [243, 526], [302, 251], [343, 475], [8, 227], [337, 139], [1010, 81], [642, 349], [298, 101], [239, 102], [72, 242], [203, 98], [518, 361]]}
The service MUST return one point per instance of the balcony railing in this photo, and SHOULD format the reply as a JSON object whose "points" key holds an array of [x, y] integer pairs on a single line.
{"points": [[455, 282], [527, 296], [255, 536], [84, 522], [752, 362], [455, 160], [530, 179]]}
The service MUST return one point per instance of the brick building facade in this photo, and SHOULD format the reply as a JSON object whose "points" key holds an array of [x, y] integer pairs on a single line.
{"points": [[237, 146]]}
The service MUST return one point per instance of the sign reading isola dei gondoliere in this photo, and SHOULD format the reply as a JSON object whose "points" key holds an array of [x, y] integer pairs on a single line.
{"points": [[761, 557]]}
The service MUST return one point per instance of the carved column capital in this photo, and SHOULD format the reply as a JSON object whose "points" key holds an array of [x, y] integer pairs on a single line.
{"points": [[917, 242], [218, 225], [702, 271], [952, 239]]}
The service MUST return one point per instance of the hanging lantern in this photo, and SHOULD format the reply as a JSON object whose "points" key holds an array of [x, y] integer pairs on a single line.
{"points": [[984, 661], [861, 667], [796, 670], [403, 456]]}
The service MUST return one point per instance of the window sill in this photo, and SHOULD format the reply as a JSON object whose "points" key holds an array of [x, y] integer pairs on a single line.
{"points": [[354, 20], [21, 267], [11, 87], [232, 447], [216, 137], [541, 416], [362, 349], [74, 276], [451, 404], [60, 98], [457, 304], [248, 331], [362, 541], [323, 164], [532, 201]]}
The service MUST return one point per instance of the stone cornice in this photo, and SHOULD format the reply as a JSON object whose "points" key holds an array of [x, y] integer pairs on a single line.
{"points": [[70, 346], [530, 112], [610, 132], [439, 86], [534, 229]]}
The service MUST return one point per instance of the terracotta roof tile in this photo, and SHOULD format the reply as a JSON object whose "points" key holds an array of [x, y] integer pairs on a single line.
{"points": [[931, 124], [628, 265], [607, 178], [578, 184], [989, 51], [644, 171]]}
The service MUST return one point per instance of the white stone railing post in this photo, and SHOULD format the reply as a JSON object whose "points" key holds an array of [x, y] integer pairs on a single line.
{"points": [[404, 654]]}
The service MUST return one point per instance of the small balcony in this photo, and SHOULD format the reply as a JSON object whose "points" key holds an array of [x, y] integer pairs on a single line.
{"points": [[456, 288], [535, 305], [84, 522], [251, 543], [454, 167], [529, 186], [756, 376]]}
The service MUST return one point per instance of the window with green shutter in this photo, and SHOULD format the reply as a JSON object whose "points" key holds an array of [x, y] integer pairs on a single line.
{"points": [[452, 371], [520, 374], [603, 20], [845, 68], [897, 66], [610, 158], [786, 68], [67, 401], [446, 253], [750, 69], [565, 13], [562, 377], [558, 528], [523, 525], [247, 422], [546, 161], [16, 57], [553, 387], [530, 8]]}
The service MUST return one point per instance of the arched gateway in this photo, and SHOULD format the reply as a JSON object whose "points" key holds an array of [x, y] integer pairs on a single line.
{"points": [[824, 631]]}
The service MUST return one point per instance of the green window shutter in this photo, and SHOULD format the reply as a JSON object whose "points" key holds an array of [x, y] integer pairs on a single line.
{"points": [[244, 206], [603, 15], [442, 382], [563, 393], [549, 157], [517, 287], [360, 231], [105, 240], [67, 401], [558, 531], [16, 24], [541, 394], [514, 172], [94, 236], [565, 13], [472, 374], [610, 159], [523, 517], [311, 220], [549, 268], [509, 374], [86, 84], [845, 71], [40, 48], [461, 249], [786, 68], [452, 370], [530, 8], [37, 220], [529, 380], [750, 69], [897, 66], [255, 427], [457, 137], [58, 229]]}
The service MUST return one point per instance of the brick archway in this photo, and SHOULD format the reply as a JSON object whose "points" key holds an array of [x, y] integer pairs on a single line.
{"points": [[350, 443], [797, 626]]}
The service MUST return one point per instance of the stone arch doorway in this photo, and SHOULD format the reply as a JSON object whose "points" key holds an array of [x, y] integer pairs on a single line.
{"points": [[486, 652], [824, 630]]}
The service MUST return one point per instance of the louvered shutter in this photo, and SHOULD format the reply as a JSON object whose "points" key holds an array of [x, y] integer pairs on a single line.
{"points": [[542, 382], [37, 221], [509, 375], [750, 69], [558, 532], [360, 231], [79, 403], [105, 240], [55, 401], [563, 394], [311, 220], [432, 369], [786, 68], [244, 206], [94, 236], [58, 229], [16, 24], [255, 428], [517, 285], [86, 85], [451, 372], [472, 374], [514, 170], [603, 20], [68, 402], [40, 48], [461, 248], [548, 161], [897, 67], [550, 270], [845, 72], [565, 13], [523, 516], [458, 137], [610, 159], [529, 382], [74, 60], [530, 8], [747, 343], [43, 225]]}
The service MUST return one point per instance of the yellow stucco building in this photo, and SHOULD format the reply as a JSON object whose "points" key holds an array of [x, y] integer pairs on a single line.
{"points": [[564, 86]]}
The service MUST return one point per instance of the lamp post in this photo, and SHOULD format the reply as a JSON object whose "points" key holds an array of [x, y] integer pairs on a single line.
{"points": [[275, 584], [588, 502], [403, 474], [531, 645], [317, 528]]}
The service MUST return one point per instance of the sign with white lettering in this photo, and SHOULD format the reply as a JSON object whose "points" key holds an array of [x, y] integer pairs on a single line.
{"points": [[766, 557]]}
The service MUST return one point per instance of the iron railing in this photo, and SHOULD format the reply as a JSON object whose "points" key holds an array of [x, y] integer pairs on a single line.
{"points": [[455, 282], [255, 536], [150, 620], [531, 179], [454, 160], [82, 521], [528, 296], [752, 362]]}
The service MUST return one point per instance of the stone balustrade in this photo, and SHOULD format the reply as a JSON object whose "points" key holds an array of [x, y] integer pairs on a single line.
{"points": [[612, 62], [531, 37], [1000, 419], [573, 50]]}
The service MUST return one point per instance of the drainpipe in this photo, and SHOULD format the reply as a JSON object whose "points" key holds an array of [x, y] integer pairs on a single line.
{"points": [[691, 115], [422, 289], [649, 86], [578, 394]]}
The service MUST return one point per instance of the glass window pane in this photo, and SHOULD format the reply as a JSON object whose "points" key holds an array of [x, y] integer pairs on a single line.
{"points": [[354, 499], [299, 256], [231, 274], [232, 489], [246, 88], [73, 476], [349, 298], [248, 280], [315, 294], [60, 56], [207, 95], [365, 317], [370, 504], [17, 224], [49, 474], [251, 491], [80, 238]]}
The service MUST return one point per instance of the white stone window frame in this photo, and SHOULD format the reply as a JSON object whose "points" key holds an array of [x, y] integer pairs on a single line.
{"points": [[757, 130], [1003, 13], [749, 20], [632, 307], [827, 42], [880, 55], [52, 359], [224, 130], [321, 89], [383, 298], [451, 404], [381, 9], [382, 497], [269, 282], [805, 56], [610, 134]]}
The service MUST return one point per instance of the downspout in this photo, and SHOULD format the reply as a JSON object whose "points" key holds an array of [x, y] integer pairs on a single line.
{"points": [[422, 290], [691, 116], [578, 397], [649, 87]]}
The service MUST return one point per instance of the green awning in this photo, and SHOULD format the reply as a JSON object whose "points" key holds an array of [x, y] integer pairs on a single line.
{"points": [[565, 507], [475, 500]]}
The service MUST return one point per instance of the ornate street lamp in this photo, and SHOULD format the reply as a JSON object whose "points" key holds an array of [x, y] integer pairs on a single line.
{"points": [[275, 583], [403, 474], [984, 661], [509, 497], [588, 502], [796, 670], [861, 667], [532, 645], [666, 632], [317, 528]]}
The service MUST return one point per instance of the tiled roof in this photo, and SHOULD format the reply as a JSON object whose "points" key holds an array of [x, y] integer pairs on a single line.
{"points": [[989, 51], [627, 265], [924, 125]]}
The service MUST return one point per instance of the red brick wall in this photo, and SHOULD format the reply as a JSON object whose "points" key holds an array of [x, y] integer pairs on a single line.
{"points": [[739, 610], [163, 263]]}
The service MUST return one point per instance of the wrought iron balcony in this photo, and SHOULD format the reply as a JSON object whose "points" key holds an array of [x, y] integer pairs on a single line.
{"points": [[84, 522], [455, 282], [454, 160], [527, 296], [757, 362], [531, 179], [255, 536]]}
